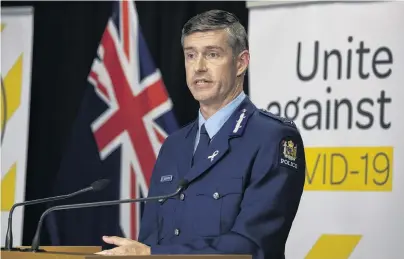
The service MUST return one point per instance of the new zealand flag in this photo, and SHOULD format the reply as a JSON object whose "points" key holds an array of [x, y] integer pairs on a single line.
{"points": [[125, 116]]}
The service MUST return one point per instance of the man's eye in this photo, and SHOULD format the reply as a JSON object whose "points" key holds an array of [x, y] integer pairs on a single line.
{"points": [[190, 55], [213, 55]]}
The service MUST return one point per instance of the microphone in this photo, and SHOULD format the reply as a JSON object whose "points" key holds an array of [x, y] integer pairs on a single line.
{"points": [[35, 242], [95, 186]]}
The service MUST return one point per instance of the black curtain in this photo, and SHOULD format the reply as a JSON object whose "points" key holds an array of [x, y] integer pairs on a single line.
{"points": [[66, 37]]}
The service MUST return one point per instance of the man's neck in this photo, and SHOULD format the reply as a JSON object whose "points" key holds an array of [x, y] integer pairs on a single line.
{"points": [[208, 110]]}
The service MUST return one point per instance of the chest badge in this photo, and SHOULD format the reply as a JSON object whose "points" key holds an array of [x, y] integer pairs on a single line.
{"points": [[211, 157]]}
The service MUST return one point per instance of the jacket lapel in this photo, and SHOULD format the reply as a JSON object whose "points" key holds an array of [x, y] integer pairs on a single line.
{"points": [[219, 147], [187, 147]]}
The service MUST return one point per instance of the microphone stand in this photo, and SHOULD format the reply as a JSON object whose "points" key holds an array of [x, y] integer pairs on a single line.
{"points": [[36, 239]]}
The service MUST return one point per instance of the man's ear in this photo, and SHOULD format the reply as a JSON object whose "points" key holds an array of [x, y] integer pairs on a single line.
{"points": [[243, 60]]}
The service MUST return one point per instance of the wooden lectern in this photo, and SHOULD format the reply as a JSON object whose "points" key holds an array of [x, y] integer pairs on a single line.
{"points": [[87, 252]]}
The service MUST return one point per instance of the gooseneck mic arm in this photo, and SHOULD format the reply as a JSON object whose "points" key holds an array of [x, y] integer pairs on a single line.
{"points": [[35, 242], [96, 186]]}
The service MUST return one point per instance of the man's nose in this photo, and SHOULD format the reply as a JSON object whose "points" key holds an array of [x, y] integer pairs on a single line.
{"points": [[200, 65]]}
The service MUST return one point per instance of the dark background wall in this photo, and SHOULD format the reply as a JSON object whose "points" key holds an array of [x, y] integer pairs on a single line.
{"points": [[66, 37]]}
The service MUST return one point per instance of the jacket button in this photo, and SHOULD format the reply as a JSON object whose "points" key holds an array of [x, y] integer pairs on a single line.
{"points": [[182, 196], [177, 232], [216, 195]]}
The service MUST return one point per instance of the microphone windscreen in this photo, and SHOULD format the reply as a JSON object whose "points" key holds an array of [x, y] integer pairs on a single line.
{"points": [[100, 184], [183, 183]]}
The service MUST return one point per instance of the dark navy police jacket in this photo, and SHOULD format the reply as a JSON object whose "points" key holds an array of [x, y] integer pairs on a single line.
{"points": [[241, 199]]}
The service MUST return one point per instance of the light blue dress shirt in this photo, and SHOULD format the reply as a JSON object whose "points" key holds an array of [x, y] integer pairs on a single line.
{"points": [[216, 121]]}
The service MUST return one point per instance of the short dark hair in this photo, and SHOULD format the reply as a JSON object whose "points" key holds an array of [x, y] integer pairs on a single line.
{"points": [[218, 20]]}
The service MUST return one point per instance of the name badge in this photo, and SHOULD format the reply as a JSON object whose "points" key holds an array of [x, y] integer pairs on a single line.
{"points": [[166, 178]]}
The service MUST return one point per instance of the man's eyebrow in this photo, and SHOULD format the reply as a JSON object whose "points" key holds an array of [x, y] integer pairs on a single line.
{"points": [[215, 48], [212, 47]]}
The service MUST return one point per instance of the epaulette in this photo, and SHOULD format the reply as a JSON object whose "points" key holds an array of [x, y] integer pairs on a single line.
{"points": [[279, 118]]}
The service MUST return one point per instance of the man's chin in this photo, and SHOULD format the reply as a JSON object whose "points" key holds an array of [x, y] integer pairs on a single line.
{"points": [[204, 99]]}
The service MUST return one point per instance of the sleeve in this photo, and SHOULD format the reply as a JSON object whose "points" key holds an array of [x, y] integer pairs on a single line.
{"points": [[269, 205], [148, 233]]}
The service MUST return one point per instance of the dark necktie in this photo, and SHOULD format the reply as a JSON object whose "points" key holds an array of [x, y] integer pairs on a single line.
{"points": [[201, 150]]}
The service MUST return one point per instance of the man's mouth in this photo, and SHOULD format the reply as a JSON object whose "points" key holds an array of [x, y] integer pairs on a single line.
{"points": [[202, 81]]}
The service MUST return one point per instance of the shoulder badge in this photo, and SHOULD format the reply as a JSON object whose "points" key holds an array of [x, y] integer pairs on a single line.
{"points": [[279, 118], [288, 154]]}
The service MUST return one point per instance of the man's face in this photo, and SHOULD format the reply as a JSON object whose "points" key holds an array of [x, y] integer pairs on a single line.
{"points": [[210, 67]]}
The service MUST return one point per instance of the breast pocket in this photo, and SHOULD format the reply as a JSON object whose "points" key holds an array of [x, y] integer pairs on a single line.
{"points": [[166, 210], [213, 208]]}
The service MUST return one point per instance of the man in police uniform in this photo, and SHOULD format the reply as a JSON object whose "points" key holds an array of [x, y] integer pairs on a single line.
{"points": [[245, 167]]}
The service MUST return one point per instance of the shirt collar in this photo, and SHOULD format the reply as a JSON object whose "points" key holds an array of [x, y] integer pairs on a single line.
{"points": [[216, 121]]}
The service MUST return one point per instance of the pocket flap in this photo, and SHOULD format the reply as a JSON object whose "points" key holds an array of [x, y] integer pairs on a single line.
{"points": [[221, 189]]}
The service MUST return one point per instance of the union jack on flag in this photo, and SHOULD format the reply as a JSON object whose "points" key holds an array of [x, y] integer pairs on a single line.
{"points": [[129, 115], [125, 78]]}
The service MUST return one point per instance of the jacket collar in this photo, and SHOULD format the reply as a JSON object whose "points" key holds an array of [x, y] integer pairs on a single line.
{"points": [[234, 127]]}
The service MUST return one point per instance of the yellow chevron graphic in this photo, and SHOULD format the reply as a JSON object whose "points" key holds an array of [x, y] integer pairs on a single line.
{"points": [[8, 184], [332, 246], [13, 85], [2, 27]]}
